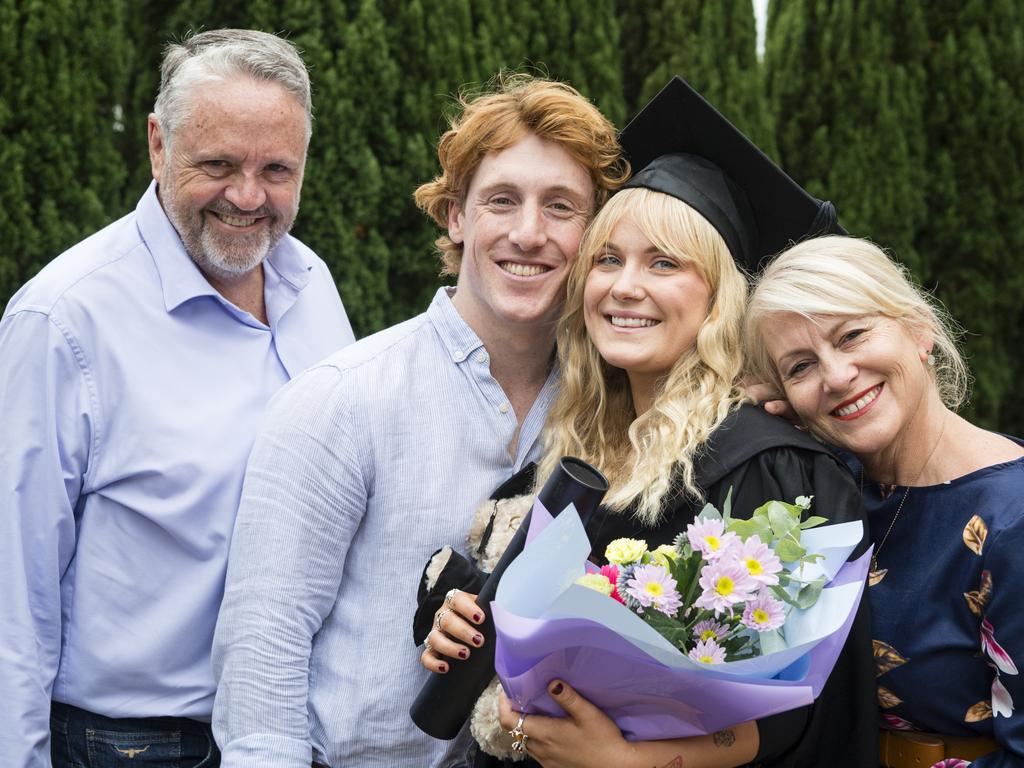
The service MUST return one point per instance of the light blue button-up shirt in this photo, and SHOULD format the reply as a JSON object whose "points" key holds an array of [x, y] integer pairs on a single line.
{"points": [[366, 465], [130, 395]]}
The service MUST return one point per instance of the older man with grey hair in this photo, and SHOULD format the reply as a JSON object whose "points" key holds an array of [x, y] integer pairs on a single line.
{"points": [[134, 371]]}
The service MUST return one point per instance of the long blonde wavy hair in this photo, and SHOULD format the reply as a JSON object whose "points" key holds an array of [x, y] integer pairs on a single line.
{"points": [[650, 457]]}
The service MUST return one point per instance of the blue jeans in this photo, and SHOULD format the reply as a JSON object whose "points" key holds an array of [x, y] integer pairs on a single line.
{"points": [[81, 739]]}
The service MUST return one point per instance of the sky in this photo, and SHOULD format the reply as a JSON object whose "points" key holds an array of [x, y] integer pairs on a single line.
{"points": [[761, 14]]}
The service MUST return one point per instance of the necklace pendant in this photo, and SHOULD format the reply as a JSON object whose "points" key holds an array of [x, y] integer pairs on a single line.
{"points": [[875, 575]]}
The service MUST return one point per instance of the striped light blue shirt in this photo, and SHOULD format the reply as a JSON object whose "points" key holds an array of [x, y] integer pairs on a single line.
{"points": [[367, 463], [130, 395]]}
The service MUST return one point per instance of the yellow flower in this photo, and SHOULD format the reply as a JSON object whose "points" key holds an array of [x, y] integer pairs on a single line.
{"points": [[664, 556], [724, 586], [654, 588], [596, 582], [625, 551]]}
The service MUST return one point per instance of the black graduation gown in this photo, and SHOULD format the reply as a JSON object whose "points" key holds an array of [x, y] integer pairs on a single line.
{"points": [[761, 457]]}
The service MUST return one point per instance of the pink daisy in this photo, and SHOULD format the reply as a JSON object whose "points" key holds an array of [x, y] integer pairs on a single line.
{"points": [[709, 629], [762, 563], [725, 583], [764, 613], [708, 652], [708, 536], [652, 585]]}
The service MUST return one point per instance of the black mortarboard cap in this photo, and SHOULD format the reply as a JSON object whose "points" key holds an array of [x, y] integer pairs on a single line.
{"points": [[681, 145]]}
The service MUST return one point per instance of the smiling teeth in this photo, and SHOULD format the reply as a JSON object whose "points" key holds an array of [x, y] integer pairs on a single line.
{"points": [[846, 410], [632, 322], [523, 270], [236, 221]]}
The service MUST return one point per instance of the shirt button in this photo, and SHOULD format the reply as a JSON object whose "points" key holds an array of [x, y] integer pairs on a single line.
{"points": [[459, 356], [503, 407], [481, 357]]}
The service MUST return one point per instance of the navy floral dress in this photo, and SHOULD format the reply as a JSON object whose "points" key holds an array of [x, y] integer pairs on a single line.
{"points": [[947, 609]]}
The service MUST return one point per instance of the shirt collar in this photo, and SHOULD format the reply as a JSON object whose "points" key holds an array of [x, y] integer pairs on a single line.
{"points": [[458, 338], [180, 278]]}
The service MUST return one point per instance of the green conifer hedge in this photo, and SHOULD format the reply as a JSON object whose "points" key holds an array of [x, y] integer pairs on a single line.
{"points": [[906, 114]]}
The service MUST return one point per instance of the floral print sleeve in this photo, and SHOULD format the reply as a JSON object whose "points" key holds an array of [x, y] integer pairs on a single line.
{"points": [[1001, 640]]}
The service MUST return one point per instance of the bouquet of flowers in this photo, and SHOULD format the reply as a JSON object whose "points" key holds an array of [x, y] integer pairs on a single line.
{"points": [[720, 589], [737, 620]]}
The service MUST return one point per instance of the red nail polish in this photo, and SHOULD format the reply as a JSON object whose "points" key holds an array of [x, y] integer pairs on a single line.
{"points": [[442, 668], [477, 617], [463, 653], [478, 639], [557, 690]]}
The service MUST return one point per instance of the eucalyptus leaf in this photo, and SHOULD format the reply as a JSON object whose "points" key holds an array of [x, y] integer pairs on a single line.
{"points": [[809, 593], [789, 551], [709, 513], [783, 595], [812, 522], [754, 526], [782, 519]]}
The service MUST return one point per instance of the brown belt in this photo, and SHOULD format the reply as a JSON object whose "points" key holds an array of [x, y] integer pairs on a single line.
{"points": [[914, 749]]}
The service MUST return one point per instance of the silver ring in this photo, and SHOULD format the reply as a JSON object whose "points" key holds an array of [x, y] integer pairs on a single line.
{"points": [[427, 647], [449, 596], [519, 737], [440, 615]]}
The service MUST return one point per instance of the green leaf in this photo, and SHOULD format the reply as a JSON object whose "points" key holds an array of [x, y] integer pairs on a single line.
{"points": [[809, 593], [783, 519], [812, 521], [667, 627], [727, 506], [709, 513], [789, 550], [747, 528], [687, 575], [783, 595]]}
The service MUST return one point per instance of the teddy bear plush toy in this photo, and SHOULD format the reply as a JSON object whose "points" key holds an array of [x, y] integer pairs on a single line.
{"points": [[494, 524]]}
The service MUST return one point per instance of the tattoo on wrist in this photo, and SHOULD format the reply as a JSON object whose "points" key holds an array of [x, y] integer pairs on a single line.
{"points": [[724, 738], [677, 762]]}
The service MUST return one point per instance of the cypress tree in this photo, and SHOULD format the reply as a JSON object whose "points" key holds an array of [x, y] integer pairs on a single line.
{"points": [[436, 42], [711, 45], [971, 241], [61, 107], [345, 196], [846, 83], [571, 40]]}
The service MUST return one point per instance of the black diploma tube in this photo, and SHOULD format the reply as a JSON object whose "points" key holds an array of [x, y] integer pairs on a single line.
{"points": [[445, 702]]}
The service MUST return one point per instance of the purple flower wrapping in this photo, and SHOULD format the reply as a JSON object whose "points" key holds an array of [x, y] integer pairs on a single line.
{"points": [[549, 628]]}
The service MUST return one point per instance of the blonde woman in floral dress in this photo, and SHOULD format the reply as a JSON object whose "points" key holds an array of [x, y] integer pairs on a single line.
{"points": [[868, 363]]}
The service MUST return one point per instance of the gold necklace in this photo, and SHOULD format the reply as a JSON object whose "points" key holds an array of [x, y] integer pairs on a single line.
{"points": [[876, 575]]}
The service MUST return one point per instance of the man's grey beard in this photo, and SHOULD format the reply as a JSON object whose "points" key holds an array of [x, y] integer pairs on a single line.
{"points": [[215, 253]]}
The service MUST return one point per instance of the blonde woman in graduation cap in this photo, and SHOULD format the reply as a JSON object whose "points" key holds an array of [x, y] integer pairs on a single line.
{"points": [[650, 355], [869, 364]]}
